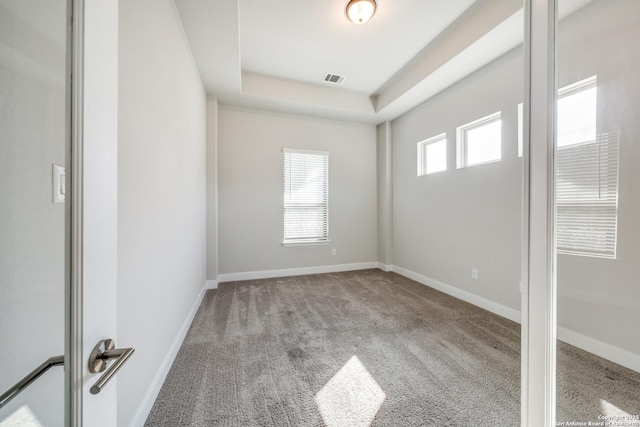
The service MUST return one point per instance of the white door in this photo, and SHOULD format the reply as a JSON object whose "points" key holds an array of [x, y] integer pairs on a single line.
{"points": [[95, 211], [58, 205]]}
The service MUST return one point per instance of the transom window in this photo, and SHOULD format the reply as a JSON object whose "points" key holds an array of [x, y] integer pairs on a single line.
{"points": [[306, 197], [480, 141], [432, 155]]}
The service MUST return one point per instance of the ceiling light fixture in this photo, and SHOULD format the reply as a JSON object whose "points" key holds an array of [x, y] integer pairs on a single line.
{"points": [[360, 11]]}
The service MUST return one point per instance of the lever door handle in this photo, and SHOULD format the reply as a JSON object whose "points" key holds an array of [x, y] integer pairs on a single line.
{"points": [[100, 357]]}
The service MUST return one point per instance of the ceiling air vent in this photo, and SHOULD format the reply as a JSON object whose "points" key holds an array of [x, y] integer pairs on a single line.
{"points": [[334, 78]]}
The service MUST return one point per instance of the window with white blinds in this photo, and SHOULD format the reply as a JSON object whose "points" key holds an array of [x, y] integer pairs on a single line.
{"points": [[306, 197], [586, 176]]}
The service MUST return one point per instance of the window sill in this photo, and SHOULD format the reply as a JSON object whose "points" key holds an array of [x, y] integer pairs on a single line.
{"points": [[294, 244]]}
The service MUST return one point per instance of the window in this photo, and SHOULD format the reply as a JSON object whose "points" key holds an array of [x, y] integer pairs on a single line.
{"points": [[480, 141], [306, 197], [432, 155], [586, 176], [577, 113]]}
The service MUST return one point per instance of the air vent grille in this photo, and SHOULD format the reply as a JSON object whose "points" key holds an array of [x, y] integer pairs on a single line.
{"points": [[334, 78]]}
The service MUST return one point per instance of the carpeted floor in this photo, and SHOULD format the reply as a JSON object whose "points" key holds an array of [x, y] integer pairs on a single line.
{"points": [[364, 348]]}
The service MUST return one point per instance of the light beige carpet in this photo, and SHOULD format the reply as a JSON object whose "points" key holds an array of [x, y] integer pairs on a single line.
{"points": [[364, 348]]}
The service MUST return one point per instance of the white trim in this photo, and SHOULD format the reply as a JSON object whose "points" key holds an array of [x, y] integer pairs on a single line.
{"points": [[144, 409], [539, 323], [74, 361], [577, 86], [520, 129], [293, 243], [476, 300], [296, 150], [385, 267], [211, 284], [267, 274], [606, 351]]}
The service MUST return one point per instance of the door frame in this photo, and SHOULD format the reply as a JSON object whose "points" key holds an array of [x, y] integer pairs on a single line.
{"points": [[92, 294], [92, 177], [73, 301], [538, 340]]}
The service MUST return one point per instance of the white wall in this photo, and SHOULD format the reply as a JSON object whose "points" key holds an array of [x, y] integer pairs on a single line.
{"points": [[162, 194], [447, 223], [32, 227], [250, 186]]}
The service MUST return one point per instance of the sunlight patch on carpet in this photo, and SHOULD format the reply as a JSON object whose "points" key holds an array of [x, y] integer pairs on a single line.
{"points": [[617, 416], [22, 417], [351, 397]]}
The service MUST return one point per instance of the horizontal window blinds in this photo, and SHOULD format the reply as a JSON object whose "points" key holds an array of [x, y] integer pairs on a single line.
{"points": [[306, 196], [587, 197]]}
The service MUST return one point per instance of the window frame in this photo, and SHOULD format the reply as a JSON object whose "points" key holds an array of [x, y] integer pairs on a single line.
{"points": [[305, 241], [461, 140], [422, 147]]}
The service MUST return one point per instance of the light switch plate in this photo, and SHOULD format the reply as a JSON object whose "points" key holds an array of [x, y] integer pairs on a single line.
{"points": [[59, 183]]}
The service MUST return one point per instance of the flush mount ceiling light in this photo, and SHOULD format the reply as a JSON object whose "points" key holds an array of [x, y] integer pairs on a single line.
{"points": [[360, 11]]}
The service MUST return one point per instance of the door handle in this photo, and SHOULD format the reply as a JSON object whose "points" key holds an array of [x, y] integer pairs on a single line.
{"points": [[101, 356]]}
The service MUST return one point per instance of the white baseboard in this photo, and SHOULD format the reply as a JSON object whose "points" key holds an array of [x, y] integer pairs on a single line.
{"points": [[476, 300], [267, 274], [211, 284], [385, 267], [152, 393], [606, 351]]}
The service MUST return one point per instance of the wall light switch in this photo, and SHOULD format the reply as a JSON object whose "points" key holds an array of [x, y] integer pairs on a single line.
{"points": [[59, 182], [334, 251], [474, 273]]}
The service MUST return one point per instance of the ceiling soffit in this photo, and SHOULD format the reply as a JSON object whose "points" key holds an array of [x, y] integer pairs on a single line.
{"points": [[481, 33]]}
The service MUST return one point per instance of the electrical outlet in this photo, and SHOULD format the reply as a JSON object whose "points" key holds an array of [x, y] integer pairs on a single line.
{"points": [[474, 273], [334, 251]]}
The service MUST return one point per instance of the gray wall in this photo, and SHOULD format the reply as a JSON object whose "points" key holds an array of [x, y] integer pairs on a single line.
{"points": [[161, 190], [385, 194], [250, 190], [212, 188], [600, 298], [32, 229], [447, 223]]}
